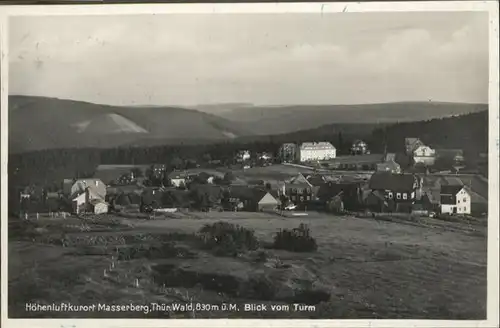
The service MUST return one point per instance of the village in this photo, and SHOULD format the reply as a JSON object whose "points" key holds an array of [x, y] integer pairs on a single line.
{"points": [[298, 179]]}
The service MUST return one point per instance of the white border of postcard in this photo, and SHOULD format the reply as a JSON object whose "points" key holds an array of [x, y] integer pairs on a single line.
{"points": [[127, 9]]}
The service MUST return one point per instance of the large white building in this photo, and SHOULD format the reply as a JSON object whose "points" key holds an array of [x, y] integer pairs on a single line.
{"points": [[314, 151], [455, 200]]}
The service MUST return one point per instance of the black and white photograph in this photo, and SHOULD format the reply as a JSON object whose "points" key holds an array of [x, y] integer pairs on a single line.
{"points": [[325, 164]]}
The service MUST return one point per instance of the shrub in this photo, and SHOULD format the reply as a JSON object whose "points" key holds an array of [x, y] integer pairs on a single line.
{"points": [[295, 240], [227, 239]]}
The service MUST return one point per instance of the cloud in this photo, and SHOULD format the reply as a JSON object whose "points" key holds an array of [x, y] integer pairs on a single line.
{"points": [[184, 59]]}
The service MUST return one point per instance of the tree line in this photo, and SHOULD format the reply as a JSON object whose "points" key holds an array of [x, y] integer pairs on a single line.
{"points": [[468, 132]]}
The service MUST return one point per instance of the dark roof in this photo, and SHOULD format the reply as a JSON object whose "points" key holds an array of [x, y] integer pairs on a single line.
{"points": [[316, 180], [450, 189], [332, 189], [393, 182], [374, 198], [411, 141], [297, 186]]}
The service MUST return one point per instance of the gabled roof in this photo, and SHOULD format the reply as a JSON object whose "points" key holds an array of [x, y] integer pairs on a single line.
{"points": [[316, 180], [411, 141], [93, 193], [96, 185], [393, 182], [451, 189], [299, 179]]}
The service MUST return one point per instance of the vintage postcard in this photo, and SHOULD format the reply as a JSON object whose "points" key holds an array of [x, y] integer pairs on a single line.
{"points": [[330, 164]]}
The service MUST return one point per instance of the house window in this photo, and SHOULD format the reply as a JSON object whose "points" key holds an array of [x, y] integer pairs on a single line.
{"points": [[405, 196], [465, 200], [459, 201], [390, 195], [398, 195], [465, 208]]}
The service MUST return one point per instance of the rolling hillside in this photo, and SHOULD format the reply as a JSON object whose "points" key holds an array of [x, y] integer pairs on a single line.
{"points": [[287, 119], [37, 123]]}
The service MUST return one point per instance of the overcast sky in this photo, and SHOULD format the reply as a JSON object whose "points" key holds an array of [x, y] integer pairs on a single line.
{"points": [[185, 59]]}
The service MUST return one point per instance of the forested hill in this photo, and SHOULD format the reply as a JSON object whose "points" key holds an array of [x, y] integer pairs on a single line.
{"points": [[467, 132]]}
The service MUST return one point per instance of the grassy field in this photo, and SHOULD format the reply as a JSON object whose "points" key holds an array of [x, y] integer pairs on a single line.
{"points": [[368, 268]]}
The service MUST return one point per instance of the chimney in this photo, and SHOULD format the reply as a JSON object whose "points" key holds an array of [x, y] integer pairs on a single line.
{"points": [[87, 198]]}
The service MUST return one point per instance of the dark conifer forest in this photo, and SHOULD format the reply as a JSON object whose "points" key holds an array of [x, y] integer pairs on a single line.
{"points": [[468, 132]]}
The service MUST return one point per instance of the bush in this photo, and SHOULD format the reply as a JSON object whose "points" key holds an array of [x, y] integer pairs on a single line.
{"points": [[296, 240], [227, 239]]}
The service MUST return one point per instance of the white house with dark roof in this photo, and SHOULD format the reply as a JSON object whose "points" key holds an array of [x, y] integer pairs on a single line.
{"points": [[314, 151], [80, 185], [178, 179], [85, 200], [425, 155], [455, 199]]}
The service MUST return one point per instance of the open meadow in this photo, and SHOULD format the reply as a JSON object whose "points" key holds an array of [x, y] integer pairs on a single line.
{"points": [[362, 268]]}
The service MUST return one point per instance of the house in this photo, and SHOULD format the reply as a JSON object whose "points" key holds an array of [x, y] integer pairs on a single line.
{"points": [[82, 202], [126, 179], [178, 179], [158, 170], [298, 193], [315, 180], [425, 155], [398, 188], [350, 193], [80, 185], [243, 156], [299, 179], [99, 206], [249, 199], [359, 147], [389, 166], [315, 151], [411, 144], [455, 199], [288, 152]]}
